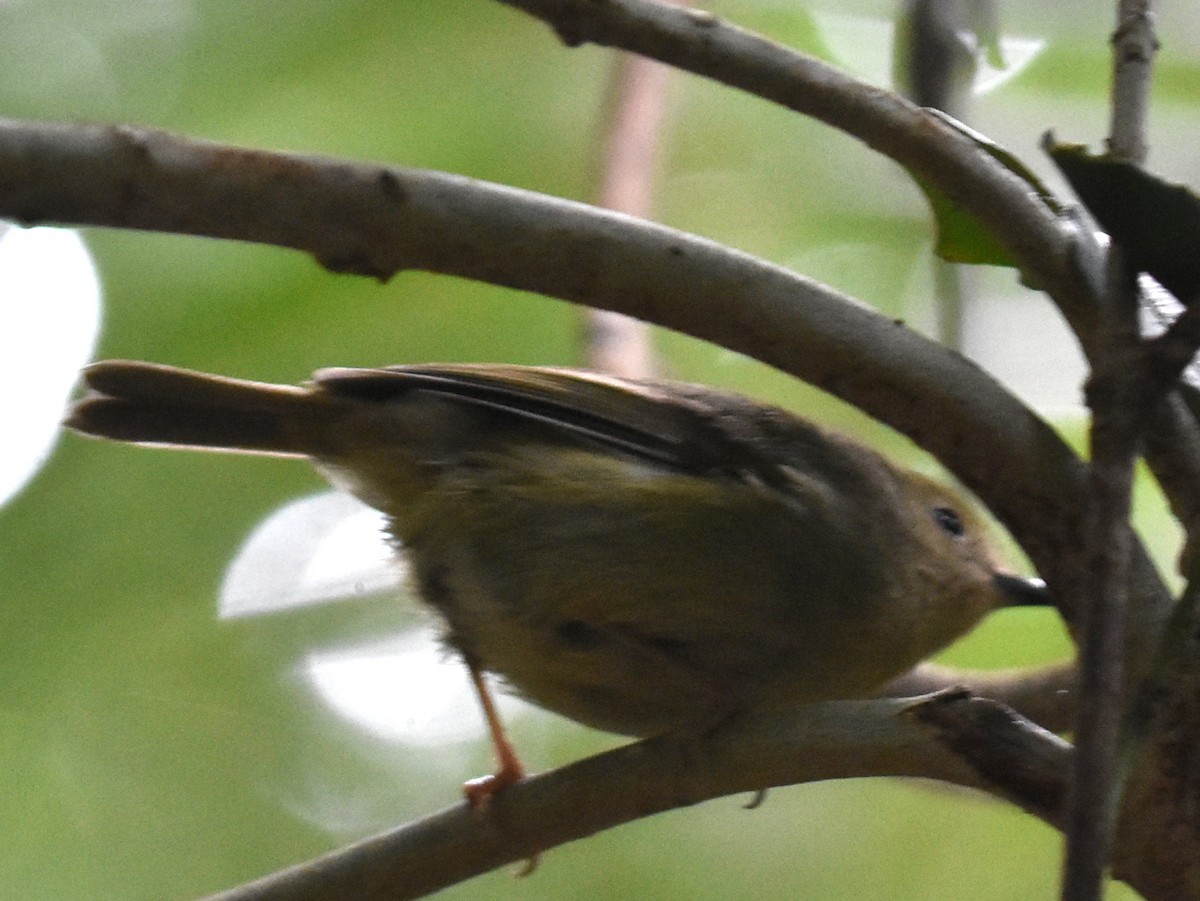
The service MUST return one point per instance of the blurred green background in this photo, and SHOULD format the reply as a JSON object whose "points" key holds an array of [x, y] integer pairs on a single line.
{"points": [[149, 749]]}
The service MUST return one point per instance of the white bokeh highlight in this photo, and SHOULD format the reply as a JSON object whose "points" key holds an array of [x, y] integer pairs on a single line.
{"points": [[317, 550], [49, 321], [330, 547], [406, 689]]}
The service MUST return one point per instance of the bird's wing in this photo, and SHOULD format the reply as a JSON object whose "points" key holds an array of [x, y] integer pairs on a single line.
{"points": [[645, 419]]}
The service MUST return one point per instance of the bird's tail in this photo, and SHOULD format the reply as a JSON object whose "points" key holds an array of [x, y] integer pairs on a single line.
{"points": [[151, 404]]}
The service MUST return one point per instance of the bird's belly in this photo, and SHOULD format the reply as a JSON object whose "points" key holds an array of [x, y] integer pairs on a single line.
{"points": [[638, 602]]}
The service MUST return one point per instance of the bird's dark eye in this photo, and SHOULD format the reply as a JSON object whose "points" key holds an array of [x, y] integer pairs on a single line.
{"points": [[950, 521]]}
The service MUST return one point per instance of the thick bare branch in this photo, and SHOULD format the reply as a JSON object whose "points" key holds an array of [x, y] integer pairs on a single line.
{"points": [[377, 220], [951, 736]]}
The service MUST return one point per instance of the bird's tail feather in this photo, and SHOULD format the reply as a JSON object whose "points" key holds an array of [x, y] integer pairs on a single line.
{"points": [[151, 404]]}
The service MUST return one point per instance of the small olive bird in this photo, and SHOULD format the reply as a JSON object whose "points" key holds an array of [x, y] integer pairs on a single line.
{"points": [[640, 556]]}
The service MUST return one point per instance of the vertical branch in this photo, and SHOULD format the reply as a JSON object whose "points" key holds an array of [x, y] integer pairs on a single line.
{"points": [[1115, 440], [637, 108], [1120, 394]]}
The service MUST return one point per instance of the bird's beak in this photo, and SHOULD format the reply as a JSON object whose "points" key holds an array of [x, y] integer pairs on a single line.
{"points": [[1023, 592]]}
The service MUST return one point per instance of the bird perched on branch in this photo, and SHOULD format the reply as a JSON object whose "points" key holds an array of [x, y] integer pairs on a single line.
{"points": [[640, 556]]}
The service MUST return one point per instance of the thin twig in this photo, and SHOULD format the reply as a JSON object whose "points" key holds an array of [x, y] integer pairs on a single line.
{"points": [[1134, 46], [1044, 695]]}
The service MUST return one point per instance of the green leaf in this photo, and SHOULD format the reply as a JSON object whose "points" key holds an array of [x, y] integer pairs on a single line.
{"points": [[961, 238]]}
